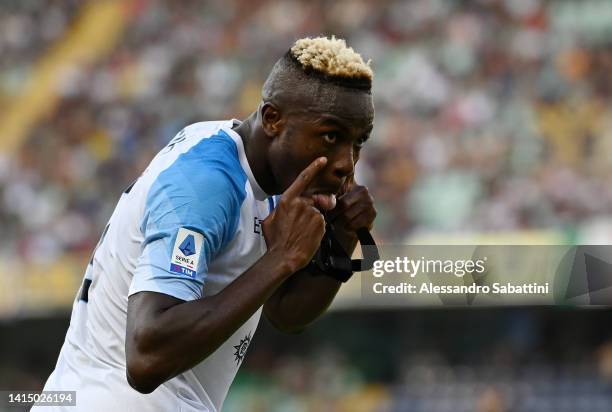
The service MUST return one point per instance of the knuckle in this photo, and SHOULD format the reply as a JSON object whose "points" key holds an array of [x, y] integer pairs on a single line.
{"points": [[297, 203], [307, 211]]}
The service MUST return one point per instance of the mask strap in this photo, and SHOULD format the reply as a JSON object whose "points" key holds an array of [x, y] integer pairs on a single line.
{"points": [[332, 259]]}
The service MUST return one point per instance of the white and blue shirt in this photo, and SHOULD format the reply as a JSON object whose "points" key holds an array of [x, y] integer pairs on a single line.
{"points": [[188, 227]]}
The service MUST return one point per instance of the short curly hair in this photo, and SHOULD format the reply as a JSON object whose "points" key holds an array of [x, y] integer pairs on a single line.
{"points": [[328, 61], [331, 57]]}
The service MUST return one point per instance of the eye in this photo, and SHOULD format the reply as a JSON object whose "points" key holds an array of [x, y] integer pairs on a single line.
{"points": [[330, 137], [361, 141]]}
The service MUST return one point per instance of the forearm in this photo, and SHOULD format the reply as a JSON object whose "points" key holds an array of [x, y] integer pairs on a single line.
{"points": [[301, 300], [305, 296], [184, 334]]}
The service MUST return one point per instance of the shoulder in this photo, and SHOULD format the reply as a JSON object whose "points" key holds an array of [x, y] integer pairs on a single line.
{"points": [[206, 180], [210, 163]]}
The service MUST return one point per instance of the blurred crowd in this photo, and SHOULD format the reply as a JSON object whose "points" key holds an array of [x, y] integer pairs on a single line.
{"points": [[327, 382], [424, 361], [28, 28], [492, 115], [415, 361]]}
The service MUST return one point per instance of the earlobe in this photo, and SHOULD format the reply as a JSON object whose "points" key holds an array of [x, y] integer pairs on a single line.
{"points": [[270, 119]]}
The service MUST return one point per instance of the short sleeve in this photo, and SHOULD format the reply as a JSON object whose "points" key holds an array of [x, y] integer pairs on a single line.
{"points": [[191, 213]]}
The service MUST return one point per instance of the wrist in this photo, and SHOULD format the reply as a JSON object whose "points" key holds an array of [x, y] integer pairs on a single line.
{"points": [[282, 264], [348, 239]]}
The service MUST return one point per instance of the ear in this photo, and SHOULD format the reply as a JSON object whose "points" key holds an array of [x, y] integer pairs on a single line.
{"points": [[271, 119]]}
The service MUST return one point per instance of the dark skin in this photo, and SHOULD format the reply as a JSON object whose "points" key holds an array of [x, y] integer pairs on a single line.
{"points": [[309, 156]]}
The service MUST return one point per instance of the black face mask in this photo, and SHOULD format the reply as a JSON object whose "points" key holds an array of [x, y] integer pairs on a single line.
{"points": [[332, 259]]}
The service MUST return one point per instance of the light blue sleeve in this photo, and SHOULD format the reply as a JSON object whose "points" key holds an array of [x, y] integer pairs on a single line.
{"points": [[192, 212]]}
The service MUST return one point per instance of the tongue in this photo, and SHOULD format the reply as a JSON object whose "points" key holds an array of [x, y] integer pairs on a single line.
{"points": [[325, 202]]}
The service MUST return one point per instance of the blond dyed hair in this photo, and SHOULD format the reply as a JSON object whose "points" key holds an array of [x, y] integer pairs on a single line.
{"points": [[331, 57]]}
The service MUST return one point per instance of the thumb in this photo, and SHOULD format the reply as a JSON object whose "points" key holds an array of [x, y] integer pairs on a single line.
{"points": [[347, 185]]}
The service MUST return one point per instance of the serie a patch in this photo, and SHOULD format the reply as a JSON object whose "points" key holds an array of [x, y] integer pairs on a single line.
{"points": [[186, 252]]}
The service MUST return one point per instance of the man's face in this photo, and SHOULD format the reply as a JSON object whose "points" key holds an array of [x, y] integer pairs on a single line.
{"points": [[337, 131]]}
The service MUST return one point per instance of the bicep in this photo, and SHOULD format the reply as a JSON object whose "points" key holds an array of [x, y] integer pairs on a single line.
{"points": [[143, 310], [145, 305], [183, 231], [143, 337]]}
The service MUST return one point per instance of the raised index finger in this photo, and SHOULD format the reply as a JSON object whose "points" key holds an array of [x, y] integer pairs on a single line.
{"points": [[303, 180]]}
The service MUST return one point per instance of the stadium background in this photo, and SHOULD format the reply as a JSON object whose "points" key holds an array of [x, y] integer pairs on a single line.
{"points": [[494, 121]]}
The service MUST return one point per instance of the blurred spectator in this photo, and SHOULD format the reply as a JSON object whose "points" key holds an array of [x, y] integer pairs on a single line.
{"points": [[491, 115], [490, 401]]}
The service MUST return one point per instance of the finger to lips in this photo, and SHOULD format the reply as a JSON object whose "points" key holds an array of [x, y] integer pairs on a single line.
{"points": [[305, 177]]}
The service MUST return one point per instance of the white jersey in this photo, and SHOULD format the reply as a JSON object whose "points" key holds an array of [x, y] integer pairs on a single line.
{"points": [[188, 227]]}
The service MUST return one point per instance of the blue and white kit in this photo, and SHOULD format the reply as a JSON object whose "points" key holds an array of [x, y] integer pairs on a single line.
{"points": [[188, 227]]}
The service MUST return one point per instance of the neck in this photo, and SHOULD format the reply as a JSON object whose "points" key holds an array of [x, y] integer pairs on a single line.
{"points": [[255, 148]]}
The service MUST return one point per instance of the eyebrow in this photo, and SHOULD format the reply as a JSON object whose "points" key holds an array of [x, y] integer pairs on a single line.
{"points": [[332, 120], [328, 120]]}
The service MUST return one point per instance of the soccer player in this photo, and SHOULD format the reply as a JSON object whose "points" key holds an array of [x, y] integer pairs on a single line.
{"points": [[219, 228]]}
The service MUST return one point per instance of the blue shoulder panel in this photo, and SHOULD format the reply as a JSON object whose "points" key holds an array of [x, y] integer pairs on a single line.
{"points": [[200, 195]]}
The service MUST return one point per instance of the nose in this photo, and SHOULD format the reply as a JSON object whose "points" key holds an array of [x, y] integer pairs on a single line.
{"points": [[342, 162]]}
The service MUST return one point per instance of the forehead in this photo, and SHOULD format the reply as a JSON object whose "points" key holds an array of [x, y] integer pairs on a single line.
{"points": [[334, 105]]}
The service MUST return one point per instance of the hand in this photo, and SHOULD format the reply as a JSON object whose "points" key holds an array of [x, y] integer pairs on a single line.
{"points": [[354, 208], [295, 228]]}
